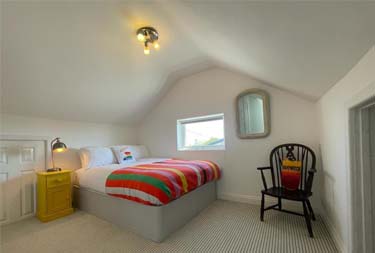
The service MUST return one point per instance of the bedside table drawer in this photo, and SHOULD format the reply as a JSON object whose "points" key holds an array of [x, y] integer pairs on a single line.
{"points": [[57, 180]]}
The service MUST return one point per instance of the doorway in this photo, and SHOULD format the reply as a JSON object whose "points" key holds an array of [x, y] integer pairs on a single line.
{"points": [[362, 176], [371, 158]]}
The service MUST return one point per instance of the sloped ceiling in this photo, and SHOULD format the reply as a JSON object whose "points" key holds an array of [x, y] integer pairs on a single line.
{"points": [[81, 61]]}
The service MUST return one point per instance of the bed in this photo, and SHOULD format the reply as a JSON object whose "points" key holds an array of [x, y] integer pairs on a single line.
{"points": [[154, 222]]}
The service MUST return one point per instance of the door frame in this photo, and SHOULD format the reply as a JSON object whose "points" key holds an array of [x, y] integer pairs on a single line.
{"points": [[359, 211]]}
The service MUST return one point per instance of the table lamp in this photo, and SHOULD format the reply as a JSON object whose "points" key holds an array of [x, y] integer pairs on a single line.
{"points": [[56, 146]]}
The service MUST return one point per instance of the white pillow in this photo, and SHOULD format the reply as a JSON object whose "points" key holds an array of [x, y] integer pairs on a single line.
{"points": [[96, 156], [123, 154]]}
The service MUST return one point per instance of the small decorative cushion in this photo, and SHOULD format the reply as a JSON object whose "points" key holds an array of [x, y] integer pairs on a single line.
{"points": [[291, 174], [123, 154]]}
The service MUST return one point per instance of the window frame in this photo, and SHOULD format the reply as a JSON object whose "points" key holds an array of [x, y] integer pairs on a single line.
{"points": [[181, 122]]}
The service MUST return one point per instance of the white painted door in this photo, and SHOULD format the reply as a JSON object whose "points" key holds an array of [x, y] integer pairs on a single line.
{"points": [[18, 162], [372, 164]]}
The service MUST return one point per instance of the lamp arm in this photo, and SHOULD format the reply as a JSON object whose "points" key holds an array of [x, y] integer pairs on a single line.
{"points": [[53, 160]]}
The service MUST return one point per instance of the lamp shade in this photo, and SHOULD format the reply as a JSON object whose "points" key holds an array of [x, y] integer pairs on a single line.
{"points": [[59, 146]]}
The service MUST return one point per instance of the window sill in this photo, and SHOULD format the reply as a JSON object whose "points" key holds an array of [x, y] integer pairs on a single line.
{"points": [[218, 148]]}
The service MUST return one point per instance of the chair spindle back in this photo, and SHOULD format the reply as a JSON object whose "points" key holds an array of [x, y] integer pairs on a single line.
{"points": [[293, 152]]}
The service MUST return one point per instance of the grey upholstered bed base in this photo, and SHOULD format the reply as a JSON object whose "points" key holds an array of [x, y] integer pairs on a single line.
{"points": [[151, 222]]}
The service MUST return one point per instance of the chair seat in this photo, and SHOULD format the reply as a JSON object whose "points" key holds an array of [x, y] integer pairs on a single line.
{"points": [[281, 192]]}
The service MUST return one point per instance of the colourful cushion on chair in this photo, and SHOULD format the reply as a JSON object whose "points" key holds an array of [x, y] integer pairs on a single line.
{"points": [[291, 174]]}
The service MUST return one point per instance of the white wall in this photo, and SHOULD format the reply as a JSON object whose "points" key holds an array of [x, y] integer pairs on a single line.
{"points": [[74, 134], [214, 91], [333, 115]]}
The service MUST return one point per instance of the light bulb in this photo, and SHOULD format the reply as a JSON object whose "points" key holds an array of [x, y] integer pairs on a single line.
{"points": [[156, 46], [141, 37], [146, 50], [59, 150]]}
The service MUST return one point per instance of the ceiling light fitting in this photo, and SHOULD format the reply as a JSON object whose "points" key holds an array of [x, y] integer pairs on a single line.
{"points": [[149, 36]]}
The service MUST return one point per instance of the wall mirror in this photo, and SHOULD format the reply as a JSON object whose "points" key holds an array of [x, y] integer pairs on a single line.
{"points": [[253, 114]]}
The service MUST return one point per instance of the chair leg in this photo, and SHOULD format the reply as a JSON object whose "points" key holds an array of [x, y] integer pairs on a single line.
{"points": [[307, 219], [262, 208], [279, 203], [310, 209]]}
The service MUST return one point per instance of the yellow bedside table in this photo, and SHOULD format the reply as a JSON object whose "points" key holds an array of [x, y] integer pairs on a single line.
{"points": [[54, 197]]}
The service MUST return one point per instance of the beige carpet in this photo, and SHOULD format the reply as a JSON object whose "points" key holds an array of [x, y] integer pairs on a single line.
{"points": [[223, 227]]}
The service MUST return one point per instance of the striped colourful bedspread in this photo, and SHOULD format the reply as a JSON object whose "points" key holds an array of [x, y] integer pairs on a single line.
{"points": [[161, 182]]}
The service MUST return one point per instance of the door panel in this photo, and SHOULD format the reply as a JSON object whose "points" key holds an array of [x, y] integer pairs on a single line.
{"points": [[3, 155], [372, 136], [28, 192], [58, 198], [18, 162], [371, 116], [3, 180]]}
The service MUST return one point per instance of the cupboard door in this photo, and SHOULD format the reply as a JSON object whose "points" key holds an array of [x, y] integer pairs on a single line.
{"points": [[18, 161], [58, 199]]}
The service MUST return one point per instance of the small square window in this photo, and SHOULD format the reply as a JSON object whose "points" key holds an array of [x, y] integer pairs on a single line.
{"points": [[201, 133]]}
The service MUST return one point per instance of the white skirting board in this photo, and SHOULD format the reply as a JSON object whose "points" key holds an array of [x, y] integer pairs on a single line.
{"points": [[255, 200]]}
